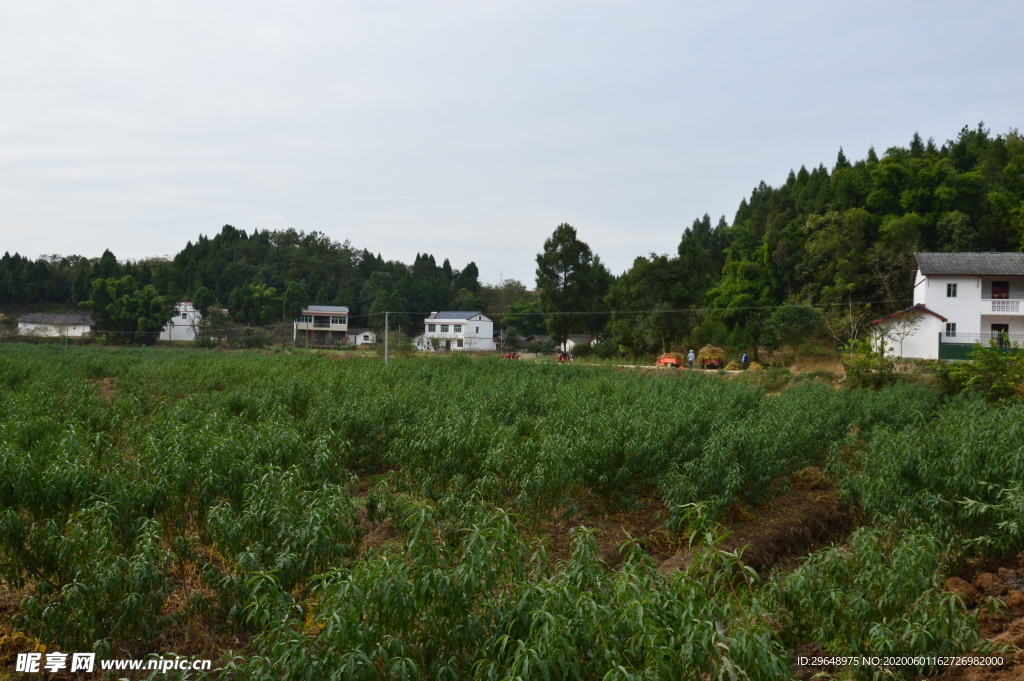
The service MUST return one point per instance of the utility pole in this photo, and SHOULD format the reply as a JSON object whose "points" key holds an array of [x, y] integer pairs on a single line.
{"points": [[385, 337]]}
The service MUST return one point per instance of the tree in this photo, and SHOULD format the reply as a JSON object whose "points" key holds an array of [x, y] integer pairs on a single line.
{"points": [[791, 325], [128, 313], [293, 300], [469, 278], [570, 281], [650, 294], [525, 316], [255, 304]]}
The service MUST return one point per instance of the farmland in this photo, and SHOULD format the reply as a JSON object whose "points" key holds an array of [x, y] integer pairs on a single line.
{"points": [[304, 516]]}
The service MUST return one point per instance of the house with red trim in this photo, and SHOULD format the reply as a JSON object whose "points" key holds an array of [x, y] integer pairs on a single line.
{"points": [[960, 299]]}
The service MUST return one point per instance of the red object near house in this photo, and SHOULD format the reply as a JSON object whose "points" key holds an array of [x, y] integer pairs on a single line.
{"points": [[671, 360], [511, 355], [563, 357], [713, 364]]}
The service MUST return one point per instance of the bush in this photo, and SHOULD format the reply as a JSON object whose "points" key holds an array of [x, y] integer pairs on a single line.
{"points": [[995, 373], [606, 349], [866, 368], [733, 366], [583, 350], [755, 366]]}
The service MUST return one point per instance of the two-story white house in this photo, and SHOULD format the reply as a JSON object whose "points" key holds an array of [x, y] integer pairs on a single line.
{"points": [[459, 330], [182, 326], [321, 325], [959, 299]]}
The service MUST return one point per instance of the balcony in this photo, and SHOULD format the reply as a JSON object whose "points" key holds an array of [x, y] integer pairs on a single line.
{"points": [[1000, 306]]}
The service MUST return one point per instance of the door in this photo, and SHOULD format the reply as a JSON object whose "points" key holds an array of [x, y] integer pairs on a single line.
{"points": [[999, 332], [447, 345], [1000, 290]]}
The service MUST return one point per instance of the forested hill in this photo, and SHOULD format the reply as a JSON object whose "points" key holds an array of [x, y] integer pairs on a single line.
{"points": [[261, 277], [833, 240], [840, 241]]}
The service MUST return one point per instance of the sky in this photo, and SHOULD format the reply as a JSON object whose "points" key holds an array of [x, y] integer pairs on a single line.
{"points": [[468, 130]]}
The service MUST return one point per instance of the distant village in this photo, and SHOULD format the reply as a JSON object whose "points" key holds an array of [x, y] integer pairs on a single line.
{"points": [[321, 326]]}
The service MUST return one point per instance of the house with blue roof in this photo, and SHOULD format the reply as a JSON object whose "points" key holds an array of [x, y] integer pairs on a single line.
{"points": [[457, 330]]}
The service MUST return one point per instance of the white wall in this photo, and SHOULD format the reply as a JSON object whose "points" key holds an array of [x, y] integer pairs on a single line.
{"points": [[55, 330], [922, 344], [475, 334], [182, 326], [964, 310], [357, 338]]}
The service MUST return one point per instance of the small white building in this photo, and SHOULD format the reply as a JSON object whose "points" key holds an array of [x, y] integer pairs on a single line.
{"points": [[183, 325], [55, 325], [321, 325], [457, 330], [361, 337], [960, 299], [578, 339]]}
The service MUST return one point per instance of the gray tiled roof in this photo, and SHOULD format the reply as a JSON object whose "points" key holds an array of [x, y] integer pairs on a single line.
{"points": [[61, 319], [448, 314], [978, 264], [326, 308]]}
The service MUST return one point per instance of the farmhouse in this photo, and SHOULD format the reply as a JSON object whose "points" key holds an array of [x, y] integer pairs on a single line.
{"points": [[458, 330], [321, 325], [41, 324], [182, 326], [361, 336], [578, 339], [959, 299]]}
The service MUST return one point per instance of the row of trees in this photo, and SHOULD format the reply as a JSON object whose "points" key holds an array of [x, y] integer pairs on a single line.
{"points": [[826, 250], [822, 254]]}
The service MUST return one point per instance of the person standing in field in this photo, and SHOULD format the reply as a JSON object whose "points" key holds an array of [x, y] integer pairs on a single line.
{"points": [[690, 357], [744, 360]]}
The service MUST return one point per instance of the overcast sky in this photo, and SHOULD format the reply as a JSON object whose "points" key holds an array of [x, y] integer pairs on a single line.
{"points": [[469, 130]]}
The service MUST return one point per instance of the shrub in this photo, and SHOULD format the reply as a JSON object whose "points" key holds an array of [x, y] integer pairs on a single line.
{"points": [[994, 373], [866, 368], [733, 366]]}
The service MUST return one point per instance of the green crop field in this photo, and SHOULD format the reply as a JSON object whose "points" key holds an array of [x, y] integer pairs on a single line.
{"points": [[227, 503]]}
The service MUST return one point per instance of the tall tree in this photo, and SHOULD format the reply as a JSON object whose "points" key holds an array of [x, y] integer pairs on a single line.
{"points": [[570, 283]]}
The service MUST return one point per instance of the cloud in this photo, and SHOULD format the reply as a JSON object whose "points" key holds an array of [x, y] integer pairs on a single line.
{"points": [[468, 130]]}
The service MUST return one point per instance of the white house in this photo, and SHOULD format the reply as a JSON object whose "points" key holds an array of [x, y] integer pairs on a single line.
{"points": [[959, 299], [321, 325], [42, 324], [182, 326], [450, 330], [578, 339], [361, 337]]}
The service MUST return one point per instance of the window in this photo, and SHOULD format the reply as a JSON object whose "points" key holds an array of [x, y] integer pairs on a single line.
{"points": [[431, 328], [457, 328], [951, 329], [366, 336], [478, 329], [459, 343], [184, 315], [306, 319], [951, 290], [444, 328], [1000, 290], [337, 321]]}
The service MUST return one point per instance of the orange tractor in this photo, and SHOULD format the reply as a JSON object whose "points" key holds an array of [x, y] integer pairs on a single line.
{"points": [[672, 359]]}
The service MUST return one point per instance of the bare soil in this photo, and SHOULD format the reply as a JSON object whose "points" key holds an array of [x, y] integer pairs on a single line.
{"points": [[808, 517], [994, 590]]}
